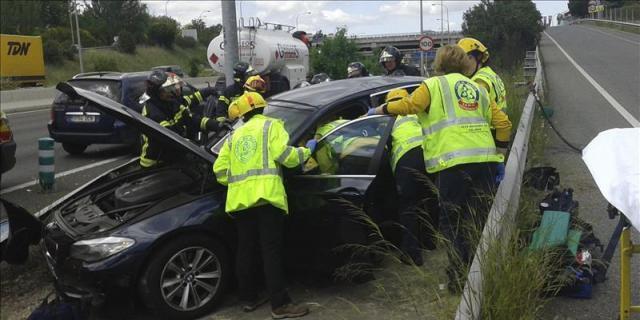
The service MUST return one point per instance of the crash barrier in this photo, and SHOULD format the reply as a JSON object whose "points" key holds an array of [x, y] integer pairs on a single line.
{"points": [[501, 220], [46, 157], [27, 99], [612, 21]]}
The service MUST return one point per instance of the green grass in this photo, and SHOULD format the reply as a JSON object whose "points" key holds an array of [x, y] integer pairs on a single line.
{"points": [[144, 58]]}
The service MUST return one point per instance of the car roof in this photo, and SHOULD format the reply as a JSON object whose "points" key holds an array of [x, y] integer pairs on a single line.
{"points": [[109, 75], [326, 93], [167, 66]]}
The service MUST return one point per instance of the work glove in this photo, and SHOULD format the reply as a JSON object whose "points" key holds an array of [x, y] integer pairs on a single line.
{"points": [[371, 112], [499, 173], [311, 144]]}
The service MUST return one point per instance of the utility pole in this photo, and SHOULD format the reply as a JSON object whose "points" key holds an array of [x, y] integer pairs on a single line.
{"points": [[421, 34], [73, 37], [75, 10], [229, 28], [441, 24]]}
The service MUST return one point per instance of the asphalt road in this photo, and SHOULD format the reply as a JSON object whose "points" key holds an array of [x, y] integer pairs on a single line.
{"points": [[27, 127], [612, 59]]}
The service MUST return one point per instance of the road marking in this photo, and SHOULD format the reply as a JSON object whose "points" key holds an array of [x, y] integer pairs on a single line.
{"points": [[32, 111], [614, 103], [612, 35], [62, 174]]}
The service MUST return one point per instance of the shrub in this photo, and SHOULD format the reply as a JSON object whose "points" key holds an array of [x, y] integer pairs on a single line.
{"points": [[104, 63], [126, 42], [53, 52], [163, 32], [194, 67], [186, 42]]}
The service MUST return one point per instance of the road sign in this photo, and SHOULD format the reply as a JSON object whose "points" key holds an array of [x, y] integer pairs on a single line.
{"points": [[426, 43]]}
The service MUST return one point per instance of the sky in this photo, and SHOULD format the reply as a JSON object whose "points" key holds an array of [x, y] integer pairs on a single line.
{"points": [[360, 17]]}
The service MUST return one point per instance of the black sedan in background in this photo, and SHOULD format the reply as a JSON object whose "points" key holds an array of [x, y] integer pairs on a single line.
{"points": [[162, 234]]}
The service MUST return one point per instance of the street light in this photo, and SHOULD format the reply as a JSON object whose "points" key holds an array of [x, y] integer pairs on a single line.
{"points": [[203, 12], [298, 16], [442, 21], [165, 8]]}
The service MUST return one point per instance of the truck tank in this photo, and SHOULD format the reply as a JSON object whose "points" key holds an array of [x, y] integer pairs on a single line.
{"points": [[266, 50]]}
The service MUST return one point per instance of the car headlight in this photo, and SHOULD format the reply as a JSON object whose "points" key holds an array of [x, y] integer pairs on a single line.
{"points": [[97, 249]]}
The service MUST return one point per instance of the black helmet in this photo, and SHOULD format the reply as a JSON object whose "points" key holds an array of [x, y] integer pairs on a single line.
{"points": [[357, 69], [320, 77], [155, 79], [241, 70], [390, 53]]}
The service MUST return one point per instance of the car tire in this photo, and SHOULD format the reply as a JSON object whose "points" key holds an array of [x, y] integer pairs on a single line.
{"points": [[74, 148], [166, 267]]}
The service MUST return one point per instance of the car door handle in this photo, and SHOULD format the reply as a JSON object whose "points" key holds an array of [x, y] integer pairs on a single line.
{"points": [[353, 192]]}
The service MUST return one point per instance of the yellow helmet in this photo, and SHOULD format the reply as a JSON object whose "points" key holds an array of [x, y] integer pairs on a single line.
{"points": [[245, 103], [256, 83], [396, 94], [471, 44]]}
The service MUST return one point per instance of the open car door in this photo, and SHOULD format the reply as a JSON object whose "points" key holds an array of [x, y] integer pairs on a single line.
{"points": [[329, 200]]}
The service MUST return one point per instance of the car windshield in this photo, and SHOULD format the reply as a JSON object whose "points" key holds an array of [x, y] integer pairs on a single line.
{"points": [[108, 88], [292, 117]]}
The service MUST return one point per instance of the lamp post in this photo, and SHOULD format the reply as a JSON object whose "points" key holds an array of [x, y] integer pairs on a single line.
{"points": [[298, 16], [442, 22], [421, 34], [165, 8], [75, 12]]}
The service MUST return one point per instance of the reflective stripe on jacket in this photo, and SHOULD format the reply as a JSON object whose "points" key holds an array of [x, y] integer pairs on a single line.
{"points": [[249, 163], [496, 88], [405, 135], [456, 128]]}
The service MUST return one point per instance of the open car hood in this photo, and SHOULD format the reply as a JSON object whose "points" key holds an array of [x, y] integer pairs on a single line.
{"points": [[145, 125]]}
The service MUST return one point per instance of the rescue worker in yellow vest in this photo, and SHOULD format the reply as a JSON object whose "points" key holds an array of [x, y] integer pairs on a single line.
{"points": [[249, 164], [407, 164], [164, 103], [326, 155], [487, 78], [459, 151]]}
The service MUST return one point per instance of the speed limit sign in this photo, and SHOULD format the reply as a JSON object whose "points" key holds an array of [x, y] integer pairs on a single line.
{"points": [[426, 43]]}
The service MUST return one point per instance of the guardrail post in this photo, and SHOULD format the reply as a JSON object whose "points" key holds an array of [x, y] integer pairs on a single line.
{"points": [[46, 161]]}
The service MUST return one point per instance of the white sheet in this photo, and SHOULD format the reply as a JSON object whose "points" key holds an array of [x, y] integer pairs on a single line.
{"points": [[613, 157]]}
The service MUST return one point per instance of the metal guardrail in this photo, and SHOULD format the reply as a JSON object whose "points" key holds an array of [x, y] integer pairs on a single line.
{"points": [[612, 21], [28, 99], [501, 220]]}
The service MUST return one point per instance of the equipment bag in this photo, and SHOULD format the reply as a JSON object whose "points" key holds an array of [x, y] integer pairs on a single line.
{"points": [[60, 307]]}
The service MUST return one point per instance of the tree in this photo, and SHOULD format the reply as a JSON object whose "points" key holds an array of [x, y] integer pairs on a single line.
{"points": [[578, 8], [163, 31], [126, 42], [30, 17], [507, 27], [205, 34], [105, 19], [334, 55]]}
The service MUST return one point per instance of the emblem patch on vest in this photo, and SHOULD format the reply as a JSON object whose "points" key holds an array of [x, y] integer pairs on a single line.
{"points": [[468, 95], [245, 148]]}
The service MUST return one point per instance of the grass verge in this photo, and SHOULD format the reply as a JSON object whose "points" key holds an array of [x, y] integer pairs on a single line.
{"points": [[144, 58]]}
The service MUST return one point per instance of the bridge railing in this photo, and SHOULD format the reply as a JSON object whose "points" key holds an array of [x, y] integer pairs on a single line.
{"points": [[502, 217]]}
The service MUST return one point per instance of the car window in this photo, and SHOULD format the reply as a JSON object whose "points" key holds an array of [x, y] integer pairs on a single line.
{"points": [[349, 149], [108, 88], [133, 90], [292, 118]]}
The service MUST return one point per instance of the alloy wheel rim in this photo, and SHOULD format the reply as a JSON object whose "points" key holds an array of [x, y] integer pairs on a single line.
{"points": [[190, 279]]}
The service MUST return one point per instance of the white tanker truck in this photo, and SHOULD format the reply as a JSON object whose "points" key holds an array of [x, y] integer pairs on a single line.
{"points": [[271, 49]]}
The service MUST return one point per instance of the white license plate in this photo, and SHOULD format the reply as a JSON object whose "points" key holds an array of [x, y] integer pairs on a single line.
{"points": [[83, 119]]}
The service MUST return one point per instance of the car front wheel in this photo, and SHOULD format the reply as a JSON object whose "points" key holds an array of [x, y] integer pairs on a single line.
{"points": [[74, 148], [185, 278]]}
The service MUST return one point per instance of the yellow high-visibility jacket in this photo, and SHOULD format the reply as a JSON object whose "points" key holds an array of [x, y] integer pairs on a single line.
{"points": [[249, 163]]}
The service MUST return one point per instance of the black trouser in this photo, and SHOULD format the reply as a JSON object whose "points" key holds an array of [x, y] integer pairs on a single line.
{"points": [[412, 186], [465, 193], [263, 224]]}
